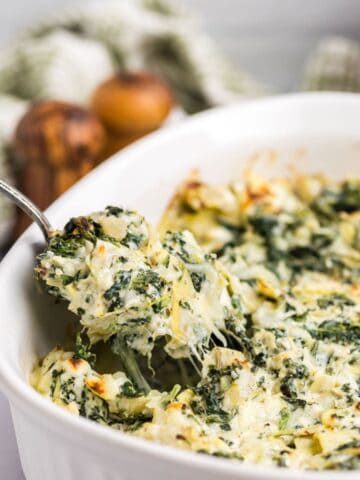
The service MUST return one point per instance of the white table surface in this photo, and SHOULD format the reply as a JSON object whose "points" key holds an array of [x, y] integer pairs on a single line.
{"points": [[10, 467]]}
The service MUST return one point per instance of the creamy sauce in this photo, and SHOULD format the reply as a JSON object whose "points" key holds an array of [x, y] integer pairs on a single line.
{"points": [[257, 286]]}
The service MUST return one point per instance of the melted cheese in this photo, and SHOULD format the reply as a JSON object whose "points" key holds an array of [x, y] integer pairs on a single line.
{"points": [[273, 317]]}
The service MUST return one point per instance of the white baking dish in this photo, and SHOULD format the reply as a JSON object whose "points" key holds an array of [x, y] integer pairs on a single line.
{"points": [[313, 132]]}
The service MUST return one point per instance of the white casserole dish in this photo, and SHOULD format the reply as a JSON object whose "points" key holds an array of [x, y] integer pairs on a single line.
{"points": [[316, 133]]}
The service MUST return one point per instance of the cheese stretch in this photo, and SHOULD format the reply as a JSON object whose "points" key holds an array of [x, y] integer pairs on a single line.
{"points": [[233, 328]]}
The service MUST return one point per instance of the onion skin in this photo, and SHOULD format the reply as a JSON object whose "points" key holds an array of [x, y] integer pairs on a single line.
{"points": [[57, 143], [132, 103], [118, 141], [58, 134]]}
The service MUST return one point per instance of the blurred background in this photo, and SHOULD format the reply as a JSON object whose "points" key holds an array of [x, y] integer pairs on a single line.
{"points": [[271, 39], [80, 80]]}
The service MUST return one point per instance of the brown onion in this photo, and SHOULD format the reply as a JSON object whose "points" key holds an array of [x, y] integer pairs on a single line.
{"points": [[132, 102]]}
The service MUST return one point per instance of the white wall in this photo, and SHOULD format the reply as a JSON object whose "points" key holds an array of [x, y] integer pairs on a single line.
{"points": [[271, 38]]}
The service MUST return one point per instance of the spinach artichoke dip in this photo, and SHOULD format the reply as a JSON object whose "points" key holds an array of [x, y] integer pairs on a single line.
{"points": [[233, 329]]}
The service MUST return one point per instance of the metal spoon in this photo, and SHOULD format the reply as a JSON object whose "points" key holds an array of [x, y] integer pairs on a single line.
{"points": [[38, 217], [28, 207]]}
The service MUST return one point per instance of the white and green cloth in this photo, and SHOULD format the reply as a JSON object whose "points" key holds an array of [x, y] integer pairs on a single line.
{"points": [[67, 55]]}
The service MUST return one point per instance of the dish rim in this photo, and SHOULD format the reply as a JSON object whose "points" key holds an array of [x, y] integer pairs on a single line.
{"points": [[94, 435]]}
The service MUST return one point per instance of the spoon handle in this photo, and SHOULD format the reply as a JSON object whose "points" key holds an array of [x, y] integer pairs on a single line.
{"points": [[28, 207]]}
